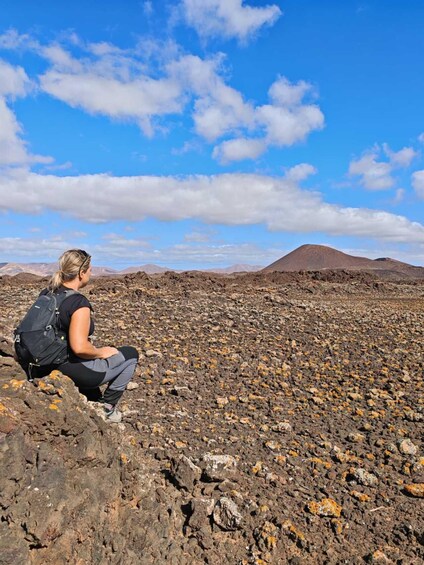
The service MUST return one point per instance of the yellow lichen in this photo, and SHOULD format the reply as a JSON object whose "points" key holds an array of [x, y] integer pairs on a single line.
{"points": [[361, 496], [294, 532], [416, 490], [326, 507], [16, 383]]}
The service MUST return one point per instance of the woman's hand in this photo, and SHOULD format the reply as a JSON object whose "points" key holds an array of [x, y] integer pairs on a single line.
{"points": [[105, 352]]}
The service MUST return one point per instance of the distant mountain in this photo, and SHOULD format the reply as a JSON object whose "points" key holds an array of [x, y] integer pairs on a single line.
{"points": [[149, 269], [40, 269], [103, 271], [44, 269], [238, 268], [319, 257]]}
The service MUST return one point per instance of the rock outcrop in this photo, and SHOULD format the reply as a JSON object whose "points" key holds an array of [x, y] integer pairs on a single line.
{"points": [[74, 488]]}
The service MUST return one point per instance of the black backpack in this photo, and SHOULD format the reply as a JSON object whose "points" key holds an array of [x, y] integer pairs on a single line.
{"points": [[39, 341]]}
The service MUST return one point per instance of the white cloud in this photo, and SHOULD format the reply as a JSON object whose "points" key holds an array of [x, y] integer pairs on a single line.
{"points": [[32, 249], [399, 196], [153, 80], [117, 251], [286, 126], [14, 82], [239, 149], [231, 199], [374, 175], [11, 39], [218, 108], [284, 93], [12, 147], [148, 8], [228, 18], [301, 172], [284, 122], [421, 138], [402, 158], [198, 236], [418, 183], [138, 99]]}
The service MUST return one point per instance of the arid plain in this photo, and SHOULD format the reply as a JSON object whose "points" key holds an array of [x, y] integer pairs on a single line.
{"points": [[309, 388]]}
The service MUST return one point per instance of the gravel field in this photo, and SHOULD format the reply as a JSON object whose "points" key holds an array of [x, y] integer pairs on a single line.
{"points": [[309, 388]]}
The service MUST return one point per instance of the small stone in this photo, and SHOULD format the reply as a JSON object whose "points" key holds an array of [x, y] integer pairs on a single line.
{"points": [[378, 557], [282, 427], [356, 437], [280, 460], [318, 400], [257, 467], [182, 391], [407, 447], [221, 401], [361, 496], [184, 472], [326, 507], [132, 386], [294, 533], [273, 445], [354, 395], [226, 514], [201, 509], [153, 353], [416, 490], [418, 467], [337, 526], [218, 467], [365, 478], [266, 536], [413, 416]]}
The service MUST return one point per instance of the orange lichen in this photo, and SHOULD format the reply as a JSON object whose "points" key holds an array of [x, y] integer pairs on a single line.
{"points": [[257, 467], [326, 507], [361, 496], [416, 490], [180, 444], [294, 532], [318, 461], [17, 383]]}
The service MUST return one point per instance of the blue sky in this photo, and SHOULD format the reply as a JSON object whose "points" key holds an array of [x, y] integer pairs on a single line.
{"points": [[203, 133]]}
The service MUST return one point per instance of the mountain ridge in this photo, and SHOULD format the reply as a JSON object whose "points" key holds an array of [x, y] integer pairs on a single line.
{"points": [[47, 269], [310, 257]]}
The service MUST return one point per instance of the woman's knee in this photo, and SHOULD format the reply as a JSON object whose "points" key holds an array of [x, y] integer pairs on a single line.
{"points": [[129, 352]]}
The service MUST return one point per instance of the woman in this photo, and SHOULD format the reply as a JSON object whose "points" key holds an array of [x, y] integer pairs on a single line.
{"points": [[89, 366]]}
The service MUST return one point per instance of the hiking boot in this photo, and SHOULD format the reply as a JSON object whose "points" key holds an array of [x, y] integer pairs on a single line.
{"points": [[112, 414]]}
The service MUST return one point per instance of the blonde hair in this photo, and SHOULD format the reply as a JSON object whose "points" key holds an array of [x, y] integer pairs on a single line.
{"points": [[71, 264]]}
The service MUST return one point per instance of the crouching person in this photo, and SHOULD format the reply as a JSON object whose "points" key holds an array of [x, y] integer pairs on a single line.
{"points": [[88, 366]]}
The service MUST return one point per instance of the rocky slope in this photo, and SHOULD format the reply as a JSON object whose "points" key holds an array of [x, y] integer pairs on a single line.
{"points": [[274, 418]]}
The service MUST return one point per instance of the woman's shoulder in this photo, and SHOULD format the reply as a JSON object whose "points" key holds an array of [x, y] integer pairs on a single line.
{"points": [[74, 301], [77, 300]]}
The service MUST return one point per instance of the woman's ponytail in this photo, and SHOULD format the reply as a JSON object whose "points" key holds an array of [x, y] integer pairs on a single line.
{"points": [[56, 280]]}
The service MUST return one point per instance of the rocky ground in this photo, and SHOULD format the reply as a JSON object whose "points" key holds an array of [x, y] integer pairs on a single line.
{"points": [[274, 418]]}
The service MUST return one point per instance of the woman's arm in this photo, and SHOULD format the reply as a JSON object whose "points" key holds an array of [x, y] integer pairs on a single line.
{"points": [[78, 337]]}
